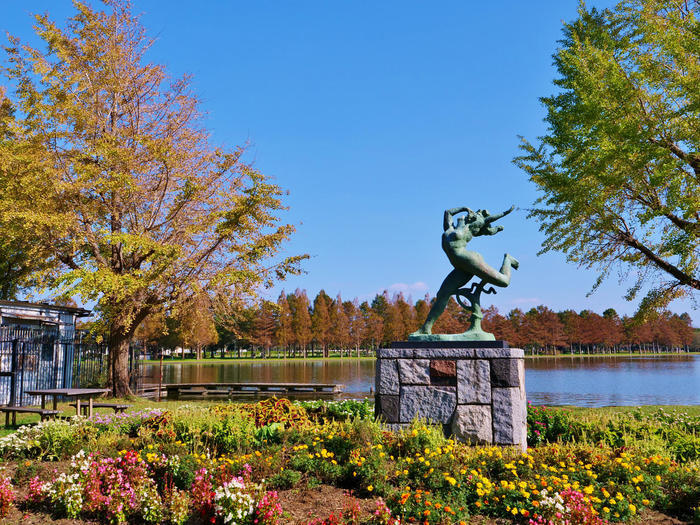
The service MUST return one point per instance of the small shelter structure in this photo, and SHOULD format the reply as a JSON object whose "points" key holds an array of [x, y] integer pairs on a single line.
{"points": [[37, 349]]}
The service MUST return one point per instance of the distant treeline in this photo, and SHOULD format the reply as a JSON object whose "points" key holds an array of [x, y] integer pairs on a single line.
{"points": [[295, 325]]}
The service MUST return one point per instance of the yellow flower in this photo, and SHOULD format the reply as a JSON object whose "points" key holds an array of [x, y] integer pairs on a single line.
{"points": [[370, 488], [633, 509]]}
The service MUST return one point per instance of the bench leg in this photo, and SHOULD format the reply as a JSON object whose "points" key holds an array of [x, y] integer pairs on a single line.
{"points": [[14, 419], [7, 419]]}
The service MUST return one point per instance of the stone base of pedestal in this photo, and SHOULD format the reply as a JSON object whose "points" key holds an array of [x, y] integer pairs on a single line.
{"points": [[476, 389]]}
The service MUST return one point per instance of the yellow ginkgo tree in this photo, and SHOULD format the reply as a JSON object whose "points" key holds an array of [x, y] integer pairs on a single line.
{"points": [[106, 166]]}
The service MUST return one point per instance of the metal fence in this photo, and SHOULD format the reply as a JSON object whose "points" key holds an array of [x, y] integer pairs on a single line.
{"points": [[39, 358]]}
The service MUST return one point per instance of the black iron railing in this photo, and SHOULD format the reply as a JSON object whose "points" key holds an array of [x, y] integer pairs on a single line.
{"points": [[40, 358]]}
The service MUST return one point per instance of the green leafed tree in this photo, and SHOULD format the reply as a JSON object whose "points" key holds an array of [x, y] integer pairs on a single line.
{"points": [[619, 165], [106, 164]]}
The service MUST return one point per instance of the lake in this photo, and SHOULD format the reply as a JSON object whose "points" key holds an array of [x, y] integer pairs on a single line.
{"points": [[579, 381]]}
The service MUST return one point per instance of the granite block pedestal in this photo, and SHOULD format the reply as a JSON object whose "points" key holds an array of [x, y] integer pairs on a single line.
{"points": [[476, 389]]}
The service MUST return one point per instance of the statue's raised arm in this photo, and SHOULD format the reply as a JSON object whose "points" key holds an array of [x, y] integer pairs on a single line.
{"points": [[488, 218], [448, 216]]}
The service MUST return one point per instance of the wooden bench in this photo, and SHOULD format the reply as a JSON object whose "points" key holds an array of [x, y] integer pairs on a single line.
{"points": [[117, 407], [43, 412], [175, 390]]}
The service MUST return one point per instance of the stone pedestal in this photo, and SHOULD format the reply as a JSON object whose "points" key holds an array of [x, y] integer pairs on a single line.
{"points": [[476, 389]]}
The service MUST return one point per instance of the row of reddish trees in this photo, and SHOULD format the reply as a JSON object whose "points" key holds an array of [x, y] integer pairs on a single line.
{"points": [[296, 325]]}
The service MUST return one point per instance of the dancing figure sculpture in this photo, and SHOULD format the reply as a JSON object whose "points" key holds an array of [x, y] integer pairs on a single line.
{"points": [[467, 264]]}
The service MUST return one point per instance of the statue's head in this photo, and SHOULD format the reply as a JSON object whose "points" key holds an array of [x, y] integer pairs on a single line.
{"points": [[476, 221]]}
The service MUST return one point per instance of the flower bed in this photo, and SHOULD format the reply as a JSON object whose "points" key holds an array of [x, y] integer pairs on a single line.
{"points": [[226, 464]]}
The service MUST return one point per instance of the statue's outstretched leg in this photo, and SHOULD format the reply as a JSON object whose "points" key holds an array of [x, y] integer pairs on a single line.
{"points": [[453, 282], [493, 276]]}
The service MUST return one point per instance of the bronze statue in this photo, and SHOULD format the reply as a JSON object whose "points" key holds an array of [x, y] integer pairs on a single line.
{"points": [[467, 264]]}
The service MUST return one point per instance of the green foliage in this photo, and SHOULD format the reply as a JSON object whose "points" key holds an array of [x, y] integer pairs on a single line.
{"points": [[619, 169], [546, 425], [186, 472], [417, 437], [340, 410], [285, 479], [268, 434], [25, 471], [233, 433]]}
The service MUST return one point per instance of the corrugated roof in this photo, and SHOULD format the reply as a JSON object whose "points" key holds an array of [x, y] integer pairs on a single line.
{"points": [[79, 312]]}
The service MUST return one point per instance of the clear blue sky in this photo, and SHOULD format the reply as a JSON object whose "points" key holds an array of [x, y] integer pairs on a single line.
{"points": [[376, 116]]}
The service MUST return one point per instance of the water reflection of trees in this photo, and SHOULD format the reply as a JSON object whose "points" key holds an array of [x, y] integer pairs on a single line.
{"points": [[583, 381], [662, 363]]}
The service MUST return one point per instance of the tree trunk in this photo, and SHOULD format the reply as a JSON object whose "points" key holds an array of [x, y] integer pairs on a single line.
{"points": [[119, 358]]}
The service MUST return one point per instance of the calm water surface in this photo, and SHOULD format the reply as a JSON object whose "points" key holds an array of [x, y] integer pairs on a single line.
{"points": [[586, 381]]}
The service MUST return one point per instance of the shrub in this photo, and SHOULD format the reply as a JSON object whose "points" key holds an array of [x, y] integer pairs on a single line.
{"points": [[286, 479], [417, 437], [25, 471], [125, 423], [7, 496], [547, 425], [233, 503], [268, 434], [184, 476], [268, 510], [52, 440], [569, 507], [382, 515], [177, 503], [685, 447], [119, 487], [202, 491], [114, 488], [339, 410], [275, 410], [235, 432]]}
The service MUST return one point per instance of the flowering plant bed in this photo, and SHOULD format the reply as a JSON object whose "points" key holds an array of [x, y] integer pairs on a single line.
{"points": [[274, 463]]}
